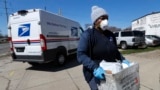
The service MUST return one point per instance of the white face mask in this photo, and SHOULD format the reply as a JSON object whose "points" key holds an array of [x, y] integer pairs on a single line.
{"points": [[104, 24]]}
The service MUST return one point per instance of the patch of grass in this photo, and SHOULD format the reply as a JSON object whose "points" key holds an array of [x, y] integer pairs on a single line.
{"points": [[129, 51]]}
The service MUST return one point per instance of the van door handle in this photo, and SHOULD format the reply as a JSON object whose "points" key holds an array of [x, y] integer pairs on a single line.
{"points": [[28, 41]]}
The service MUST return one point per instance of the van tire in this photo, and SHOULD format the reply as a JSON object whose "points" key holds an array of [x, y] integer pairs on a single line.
{"points": [[60, 59], [123, 45]]}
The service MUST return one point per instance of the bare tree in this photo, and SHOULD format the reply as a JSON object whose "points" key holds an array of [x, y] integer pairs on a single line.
{"points": [[114, 29], [128, 28]]}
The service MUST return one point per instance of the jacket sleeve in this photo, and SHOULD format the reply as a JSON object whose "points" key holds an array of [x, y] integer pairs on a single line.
{"points": [[119, 55], [83, 52]]}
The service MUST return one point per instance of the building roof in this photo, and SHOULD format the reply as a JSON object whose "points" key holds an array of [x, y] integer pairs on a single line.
{"points": [[146, 15]]}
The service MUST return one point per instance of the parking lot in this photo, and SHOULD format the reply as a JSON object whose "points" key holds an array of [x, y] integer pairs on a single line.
{"points": [[22, 76]]}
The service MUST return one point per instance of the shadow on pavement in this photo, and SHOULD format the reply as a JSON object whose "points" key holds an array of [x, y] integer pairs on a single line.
{"points": [[52, 67]]}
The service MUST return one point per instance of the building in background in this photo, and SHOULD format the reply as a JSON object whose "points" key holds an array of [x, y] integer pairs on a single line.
{"points": [[149, 23]]}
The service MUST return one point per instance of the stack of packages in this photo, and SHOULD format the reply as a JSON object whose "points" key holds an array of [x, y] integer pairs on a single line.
{"points": [[120, 76]]}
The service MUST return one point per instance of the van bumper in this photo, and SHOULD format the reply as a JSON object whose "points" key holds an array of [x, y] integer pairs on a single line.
{"points": [[44, 58], [27, 58]]}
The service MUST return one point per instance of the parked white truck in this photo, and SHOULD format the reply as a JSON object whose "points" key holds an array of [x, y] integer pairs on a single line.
{"points": [[38, 36], [130, 39]]}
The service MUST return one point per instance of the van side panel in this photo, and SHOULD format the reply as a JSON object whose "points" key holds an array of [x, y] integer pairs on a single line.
{"points": [[57, 31]]}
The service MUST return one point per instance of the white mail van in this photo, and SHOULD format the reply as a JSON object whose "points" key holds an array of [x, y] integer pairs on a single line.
{"points": [[38, 36]]}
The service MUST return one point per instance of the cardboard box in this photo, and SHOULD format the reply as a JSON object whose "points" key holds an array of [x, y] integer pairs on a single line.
{"points": [[127, 79]]}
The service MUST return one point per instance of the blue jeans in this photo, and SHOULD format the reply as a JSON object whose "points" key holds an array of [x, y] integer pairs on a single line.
{"points": [[93, 83]]}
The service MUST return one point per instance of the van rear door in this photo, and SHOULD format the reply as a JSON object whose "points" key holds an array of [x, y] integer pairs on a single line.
{"points": [[25, 33], [26, 38]]}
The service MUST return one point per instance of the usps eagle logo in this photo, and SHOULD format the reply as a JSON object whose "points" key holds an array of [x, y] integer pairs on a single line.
{"points": [[24, 30]]}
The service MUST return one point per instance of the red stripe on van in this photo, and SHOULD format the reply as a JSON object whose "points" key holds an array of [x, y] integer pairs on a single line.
{"points": [[51, 39], [64, 39], [26, 40]]}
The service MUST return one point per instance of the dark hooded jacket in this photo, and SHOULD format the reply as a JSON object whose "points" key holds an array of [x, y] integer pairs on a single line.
{"points": [[95, 46]]}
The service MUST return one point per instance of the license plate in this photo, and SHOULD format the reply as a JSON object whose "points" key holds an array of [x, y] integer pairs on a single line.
{"points": [[20, 49]]}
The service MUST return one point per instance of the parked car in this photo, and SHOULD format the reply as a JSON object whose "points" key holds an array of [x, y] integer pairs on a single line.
{"points": [[154, 36], [130, 38], [152, 40]]}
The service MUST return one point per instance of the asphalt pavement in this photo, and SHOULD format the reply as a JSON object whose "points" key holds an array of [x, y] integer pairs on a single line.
{"points": [[22, 76], [4, 49]]}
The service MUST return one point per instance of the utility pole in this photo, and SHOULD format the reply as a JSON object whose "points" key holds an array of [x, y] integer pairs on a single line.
{"points": [[45, 8], [0, 34], [59, 12], [6, 9]]}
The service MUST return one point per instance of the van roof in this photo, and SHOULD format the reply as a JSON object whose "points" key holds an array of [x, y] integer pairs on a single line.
{"points": [[37, 10]]}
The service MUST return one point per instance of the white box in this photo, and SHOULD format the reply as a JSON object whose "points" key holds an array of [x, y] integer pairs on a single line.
{"points": [[127, 79]]}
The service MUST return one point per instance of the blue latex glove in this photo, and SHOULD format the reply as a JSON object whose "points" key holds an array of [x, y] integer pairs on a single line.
{"points": [[126, 62], [99, 73]]}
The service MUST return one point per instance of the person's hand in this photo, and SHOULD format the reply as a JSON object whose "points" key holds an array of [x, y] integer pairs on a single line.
{"points": [[99, 73], [126, 62]]}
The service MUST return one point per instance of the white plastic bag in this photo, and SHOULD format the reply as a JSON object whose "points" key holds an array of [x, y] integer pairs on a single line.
{"points": [[126, 66], [115, 67]]}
